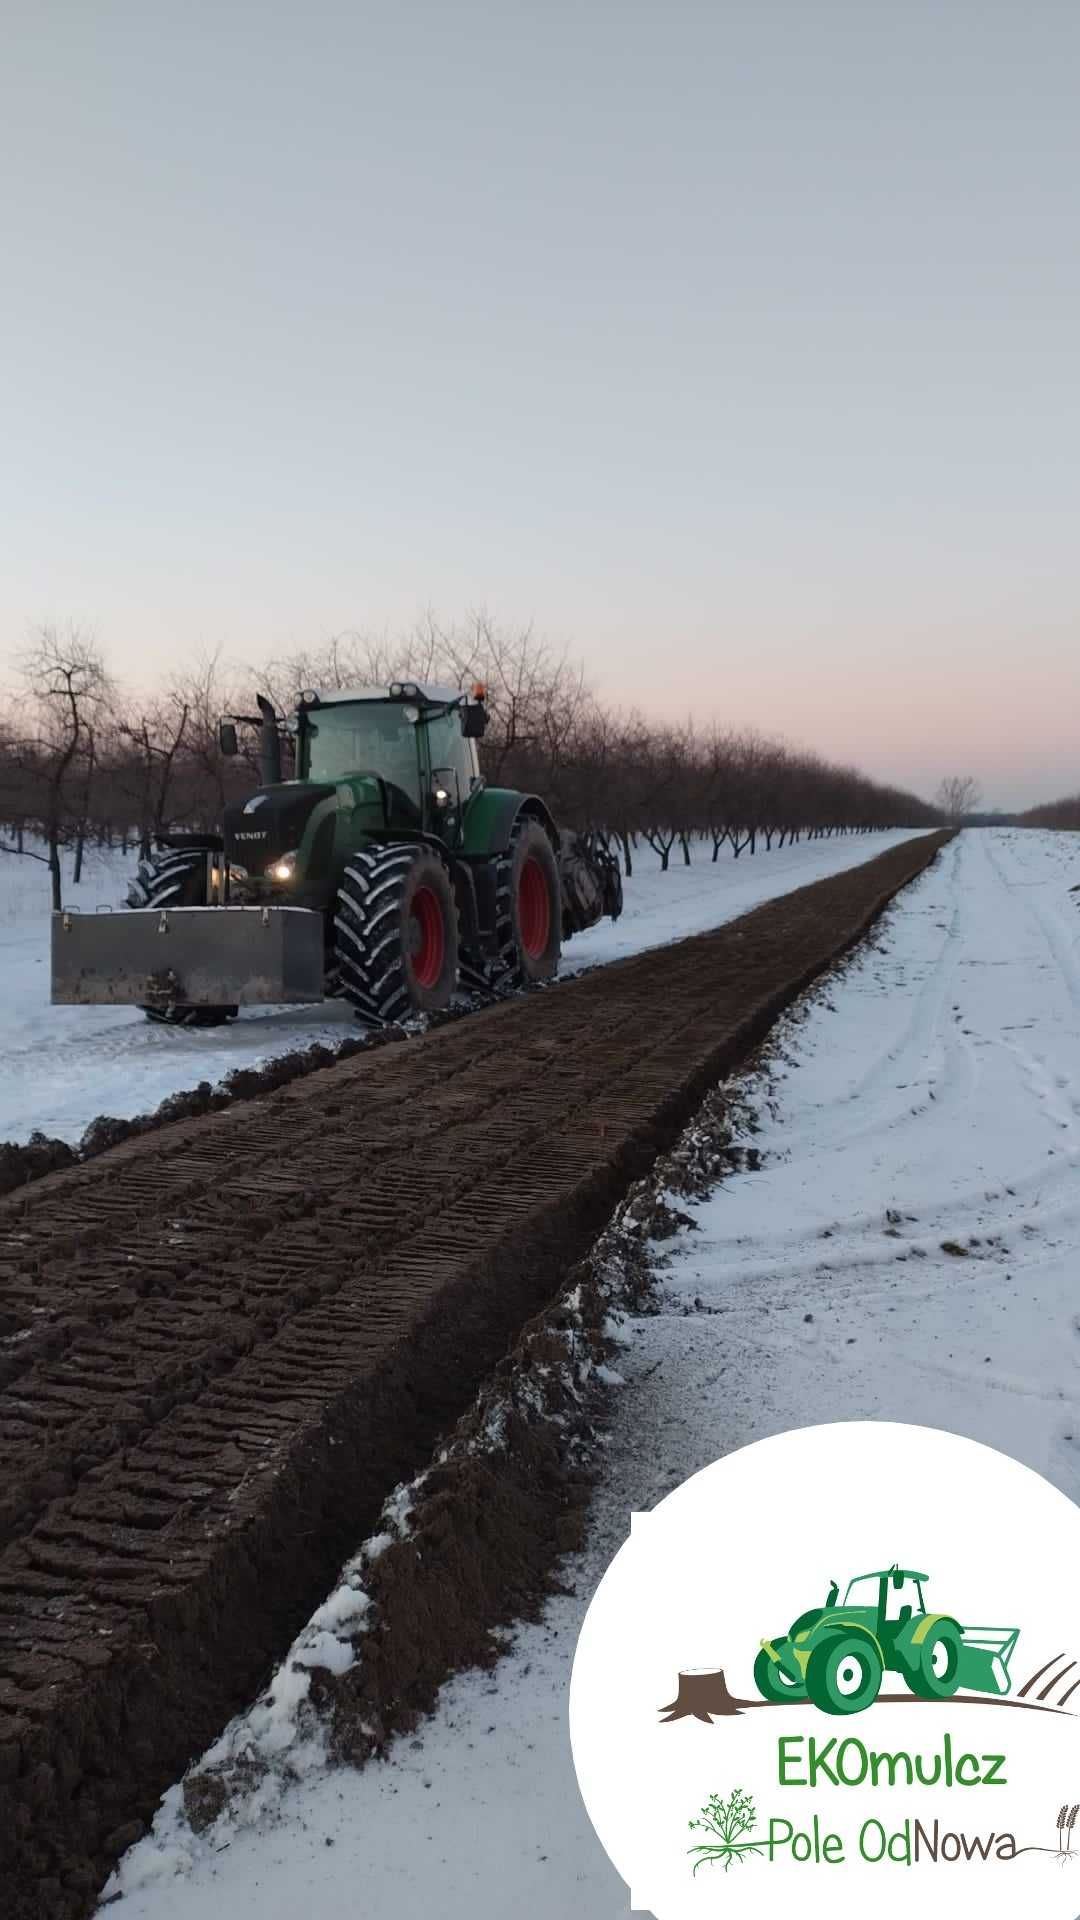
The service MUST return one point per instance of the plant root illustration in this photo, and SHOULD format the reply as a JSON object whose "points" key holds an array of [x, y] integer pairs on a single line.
{"points": [[728, 1821]]}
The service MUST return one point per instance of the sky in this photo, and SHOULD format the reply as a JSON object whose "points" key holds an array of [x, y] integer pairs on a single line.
{"points": [[733, 346]]}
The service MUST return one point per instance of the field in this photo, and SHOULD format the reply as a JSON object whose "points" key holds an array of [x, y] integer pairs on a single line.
{"points": [[66, 1065], [888, 1228]]}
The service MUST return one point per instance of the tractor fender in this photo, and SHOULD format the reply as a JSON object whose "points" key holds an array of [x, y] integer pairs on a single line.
{"points": [[783, 1655], [492, 817], [827, 1629], [911, 1639]]}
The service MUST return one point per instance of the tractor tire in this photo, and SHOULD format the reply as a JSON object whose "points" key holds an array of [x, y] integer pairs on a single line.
{"points": [[170, 879], [843, 1674], [772, 1682], [396, 933], [528, 909], [934, 1672]]}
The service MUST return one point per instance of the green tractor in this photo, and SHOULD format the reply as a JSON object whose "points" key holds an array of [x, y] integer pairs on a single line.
{"points": [[836, 1655], [386, 872]]}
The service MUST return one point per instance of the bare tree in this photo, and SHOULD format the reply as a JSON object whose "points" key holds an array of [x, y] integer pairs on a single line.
{"points": [[957, 796], [75, 766], [68, 686], [155, 734]]}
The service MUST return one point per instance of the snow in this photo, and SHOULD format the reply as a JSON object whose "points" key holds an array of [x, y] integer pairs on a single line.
{"points": [[931, 1095], [63, 1066]]}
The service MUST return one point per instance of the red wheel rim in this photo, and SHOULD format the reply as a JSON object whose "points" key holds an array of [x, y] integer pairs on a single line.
{"points": [[534, 909], [427, 937]]}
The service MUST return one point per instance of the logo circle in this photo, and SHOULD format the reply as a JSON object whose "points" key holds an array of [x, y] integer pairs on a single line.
{"points": [[840, 1667]]}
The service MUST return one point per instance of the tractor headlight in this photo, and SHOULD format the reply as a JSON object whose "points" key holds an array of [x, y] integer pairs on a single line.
{"points": [[284, 869]]}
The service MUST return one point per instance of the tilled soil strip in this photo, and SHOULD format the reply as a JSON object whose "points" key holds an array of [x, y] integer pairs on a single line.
{"points": [[224, 1343]]}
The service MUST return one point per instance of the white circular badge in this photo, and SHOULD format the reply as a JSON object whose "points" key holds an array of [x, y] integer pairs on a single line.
{"points": [[838, 1672]]}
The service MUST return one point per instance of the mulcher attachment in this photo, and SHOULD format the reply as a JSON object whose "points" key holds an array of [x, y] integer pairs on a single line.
{"points": [[591, 881]]}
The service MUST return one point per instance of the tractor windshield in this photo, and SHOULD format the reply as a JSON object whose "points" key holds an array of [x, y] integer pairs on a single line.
{"points": [[862, 1591], [369, 736]]}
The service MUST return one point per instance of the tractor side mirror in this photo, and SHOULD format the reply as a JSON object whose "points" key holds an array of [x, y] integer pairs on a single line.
{"points": [[227, 740], [898, 1581], [474, 720]]}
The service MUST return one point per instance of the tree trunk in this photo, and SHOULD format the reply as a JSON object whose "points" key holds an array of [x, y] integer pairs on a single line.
{"points": [[54, 874], [703, 1695]]}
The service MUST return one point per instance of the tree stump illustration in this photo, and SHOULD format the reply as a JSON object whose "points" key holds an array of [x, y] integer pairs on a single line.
{"points": [[703, 1694]]}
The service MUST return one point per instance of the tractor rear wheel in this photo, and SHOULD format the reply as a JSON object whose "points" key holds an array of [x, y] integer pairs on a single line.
{"points": [[772, 1682], [528, 909], [175, 879], [934, 1672], [843, 1673], [396, 933]]}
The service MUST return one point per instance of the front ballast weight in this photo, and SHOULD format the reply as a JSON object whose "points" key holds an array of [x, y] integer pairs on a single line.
{"points": [[177, 961]]}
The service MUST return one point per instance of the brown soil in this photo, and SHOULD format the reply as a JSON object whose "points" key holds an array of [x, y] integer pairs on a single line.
{"points": [[22, 1162], [226, 1342]]}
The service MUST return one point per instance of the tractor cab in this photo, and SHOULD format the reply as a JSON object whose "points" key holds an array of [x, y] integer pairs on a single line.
{"points": [[419, 741], [409, 748], [887, 1599]]}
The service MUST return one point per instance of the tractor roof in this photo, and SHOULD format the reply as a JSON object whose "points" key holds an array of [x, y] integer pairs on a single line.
{"points": [[427, 696], [885, 1573]]}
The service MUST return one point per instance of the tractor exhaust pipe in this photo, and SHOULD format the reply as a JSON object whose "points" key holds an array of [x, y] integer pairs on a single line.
{"points": [[269, 744]]}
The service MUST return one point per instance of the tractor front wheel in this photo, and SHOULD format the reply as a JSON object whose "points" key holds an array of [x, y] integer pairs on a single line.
{"points": [[396, 933], [933, 1672], [843, 1674], [772, 1682]]}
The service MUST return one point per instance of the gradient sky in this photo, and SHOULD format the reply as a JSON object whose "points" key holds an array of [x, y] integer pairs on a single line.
{"points": [[734, 345]]}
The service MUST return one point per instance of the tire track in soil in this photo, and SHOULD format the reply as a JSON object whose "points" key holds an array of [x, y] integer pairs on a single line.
{"points": [[233, 1336]]}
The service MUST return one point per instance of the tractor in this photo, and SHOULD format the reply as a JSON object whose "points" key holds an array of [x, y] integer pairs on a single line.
{"points": [[836, 1655], [385, 871]]}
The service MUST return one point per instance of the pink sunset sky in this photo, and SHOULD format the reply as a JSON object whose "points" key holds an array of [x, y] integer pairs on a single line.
{"points": [[732, 347]]}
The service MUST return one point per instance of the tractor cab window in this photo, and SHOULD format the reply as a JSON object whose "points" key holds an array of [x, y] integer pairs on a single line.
{"points": [[908, 1594], [373, 736], [862, 1592], [448, 747]]}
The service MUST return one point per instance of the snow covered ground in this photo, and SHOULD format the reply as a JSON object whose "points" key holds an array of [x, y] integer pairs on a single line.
{"points": [[931, 1101], [65, 1065]]}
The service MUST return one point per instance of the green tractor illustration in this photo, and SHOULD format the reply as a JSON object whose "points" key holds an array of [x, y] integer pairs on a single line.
{"points": [[836, 1655]]}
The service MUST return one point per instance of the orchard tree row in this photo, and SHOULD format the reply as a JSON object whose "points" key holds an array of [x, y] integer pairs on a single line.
{"points": [[85, 761], [1056, 813]]}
